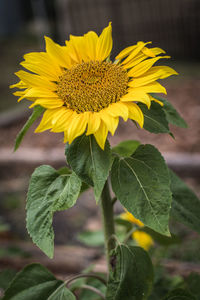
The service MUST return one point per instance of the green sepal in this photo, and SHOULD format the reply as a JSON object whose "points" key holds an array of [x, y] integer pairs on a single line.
{"points": [[36, 282], [141, 183], [185, 204], [126, 148], [48, 192], [37, 111], [131, 274], [89, 161]]}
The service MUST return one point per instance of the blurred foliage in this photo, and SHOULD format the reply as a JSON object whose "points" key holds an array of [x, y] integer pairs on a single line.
{"points": [[13, 251]]}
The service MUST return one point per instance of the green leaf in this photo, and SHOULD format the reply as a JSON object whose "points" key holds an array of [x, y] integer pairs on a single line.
{"points": [[171, 113], [122, 222], [180, 294], [89, 161], [92, 238], [90, 295], [37, 111], [64, 171], [77, 283], [185, 204], [161, 239], [5, 278], [68, 196], [84, 187], [163, 283], [126, 148], [3, 226], [35, 282], [142, 185], [131, 274], [154, 118], [193, 284], [48, 192]]}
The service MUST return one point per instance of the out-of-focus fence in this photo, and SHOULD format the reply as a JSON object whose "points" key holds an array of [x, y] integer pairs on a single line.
{"points": [[171, 24]]}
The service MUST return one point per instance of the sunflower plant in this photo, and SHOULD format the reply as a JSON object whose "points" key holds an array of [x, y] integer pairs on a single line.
{"points": [[81, 92]]}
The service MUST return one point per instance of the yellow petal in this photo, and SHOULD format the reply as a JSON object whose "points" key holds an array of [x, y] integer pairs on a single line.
{"points": [[46, 122], [22, 95], [156, 100], [60, 121], [58, 53], [32, 80], [144, 54], [101, 135], [65, 137], [83, 48], [93, 123], [143, 239], [148, 52], [91, 39], [144, 66], [165, 71], [154, 51], [154, 87], [19, 85], [118, 109], [125, 52], [42, 64], [136, 60], [153, 74], [138, 96], [59, 115], [140, 46], [40, 93], [135, 113], [129, 217], [77, 126], [104, 43], [110, 122], [19, 93], [77, 49], [48, 103]]}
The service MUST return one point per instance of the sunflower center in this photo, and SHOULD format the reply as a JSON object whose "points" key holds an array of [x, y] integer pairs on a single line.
{"points": [[92, 86]]}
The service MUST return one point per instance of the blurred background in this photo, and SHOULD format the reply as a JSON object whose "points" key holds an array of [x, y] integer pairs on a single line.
{"points": [[173, 25]]}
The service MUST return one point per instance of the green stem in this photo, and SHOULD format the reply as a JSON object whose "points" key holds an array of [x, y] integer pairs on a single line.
{"points": [[108, 220], [93, 289], [128, 235]]}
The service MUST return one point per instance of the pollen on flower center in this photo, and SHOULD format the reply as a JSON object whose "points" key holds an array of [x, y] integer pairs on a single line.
{"points": [[92, 86]]}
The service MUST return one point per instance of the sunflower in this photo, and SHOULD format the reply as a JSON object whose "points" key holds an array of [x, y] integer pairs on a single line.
{"points": [[142, 238], [82, 90]]}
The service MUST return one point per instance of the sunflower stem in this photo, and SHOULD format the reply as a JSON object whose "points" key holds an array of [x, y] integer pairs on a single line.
{"points": [[108, 221]]}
